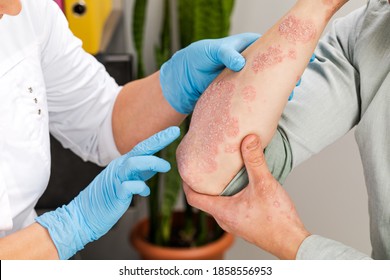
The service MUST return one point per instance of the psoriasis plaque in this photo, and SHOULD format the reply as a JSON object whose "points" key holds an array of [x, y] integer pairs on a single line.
{"points": [[249, 94], [272, 56], [297, 30], [211, 125]]}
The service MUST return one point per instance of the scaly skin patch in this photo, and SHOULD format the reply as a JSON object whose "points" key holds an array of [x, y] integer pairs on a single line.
{"points": [[292, 54], [248, 94], [296, 30], [211, 125], [273, 56]]}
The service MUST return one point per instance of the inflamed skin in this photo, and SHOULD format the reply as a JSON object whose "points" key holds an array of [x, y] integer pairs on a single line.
{"points": [[252, 100]]}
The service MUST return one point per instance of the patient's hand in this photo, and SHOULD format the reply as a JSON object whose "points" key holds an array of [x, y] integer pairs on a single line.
{"points": [[262, 213], [252, 100]]}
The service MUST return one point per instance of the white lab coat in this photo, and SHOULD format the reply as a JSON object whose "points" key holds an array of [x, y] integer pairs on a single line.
{"points": [[47, 83]]}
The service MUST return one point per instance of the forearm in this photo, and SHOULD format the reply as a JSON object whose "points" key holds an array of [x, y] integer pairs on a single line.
{"points": [[252, 100], [33, 242], [140, 111]]}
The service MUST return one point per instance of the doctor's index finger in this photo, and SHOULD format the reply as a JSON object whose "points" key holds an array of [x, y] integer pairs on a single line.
{"points": [[134, 168], [156, 142]]}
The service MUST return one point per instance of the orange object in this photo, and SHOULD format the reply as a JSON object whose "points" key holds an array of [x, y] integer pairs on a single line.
{"points": [[214, 250]]}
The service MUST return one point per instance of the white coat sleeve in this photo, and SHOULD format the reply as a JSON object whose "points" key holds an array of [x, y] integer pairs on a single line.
{"points": [[80, 92]]}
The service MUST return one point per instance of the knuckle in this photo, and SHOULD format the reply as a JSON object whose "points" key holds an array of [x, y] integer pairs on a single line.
{"points": [[256, 159]]}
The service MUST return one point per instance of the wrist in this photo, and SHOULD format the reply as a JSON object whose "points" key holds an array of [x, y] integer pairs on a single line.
{"points": [[294, 243], [289, 244], [64, 230], [321, 10], [175, 90]]}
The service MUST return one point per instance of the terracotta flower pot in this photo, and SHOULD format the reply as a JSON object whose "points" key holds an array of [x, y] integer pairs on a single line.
{"points": [[148, 251]]}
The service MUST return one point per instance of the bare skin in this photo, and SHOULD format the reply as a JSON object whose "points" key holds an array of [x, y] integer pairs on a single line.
{"points": [[251, 101], [262, 213], [135, 118], [10, 7], [23, 245]]}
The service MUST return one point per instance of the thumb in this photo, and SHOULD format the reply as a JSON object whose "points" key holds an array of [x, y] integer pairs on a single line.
{"points": [[254, 160], [232, 59], [230, 55], [129, 188]]}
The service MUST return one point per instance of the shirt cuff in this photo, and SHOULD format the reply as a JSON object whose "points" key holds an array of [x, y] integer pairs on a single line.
{"points": [[278, 155], [316, 247]]}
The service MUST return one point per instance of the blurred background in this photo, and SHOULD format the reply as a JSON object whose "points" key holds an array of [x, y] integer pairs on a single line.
{"points": [[328, 189]]}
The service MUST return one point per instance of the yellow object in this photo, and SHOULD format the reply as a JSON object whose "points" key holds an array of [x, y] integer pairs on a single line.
{"points": [[87, 19]]}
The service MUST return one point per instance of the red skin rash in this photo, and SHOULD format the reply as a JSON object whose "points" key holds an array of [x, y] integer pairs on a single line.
{"points": [[296, 30], [212, 124], [292, 54], [214, 127], [274, 55], [248, 94]]}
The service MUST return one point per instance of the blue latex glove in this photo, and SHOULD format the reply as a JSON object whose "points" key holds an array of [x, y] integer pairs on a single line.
{"points": [[189, 72], [98, 207], [313, 57]]}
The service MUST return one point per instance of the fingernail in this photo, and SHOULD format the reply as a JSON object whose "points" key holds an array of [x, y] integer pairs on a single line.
{"points": [[238, 63], [253, 143]]}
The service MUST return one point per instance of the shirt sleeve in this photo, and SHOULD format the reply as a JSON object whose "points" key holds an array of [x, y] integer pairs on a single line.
{"points": [[316, 247], [278, 156], [80, 92], [325, 107], [327, 103]]}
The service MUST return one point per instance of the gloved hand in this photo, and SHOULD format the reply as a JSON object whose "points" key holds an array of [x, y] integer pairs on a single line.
{"points": [[312, 58], [189, 72], [98, 207]]}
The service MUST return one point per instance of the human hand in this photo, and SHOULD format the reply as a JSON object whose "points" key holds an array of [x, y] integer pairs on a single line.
{"points": [[98, 207], [262, 213], [189, 72]]}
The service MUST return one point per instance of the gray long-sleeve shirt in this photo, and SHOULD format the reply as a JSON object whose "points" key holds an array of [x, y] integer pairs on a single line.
{"points": [[348, 85]]}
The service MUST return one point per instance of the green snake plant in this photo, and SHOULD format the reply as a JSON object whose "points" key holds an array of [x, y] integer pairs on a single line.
{"points": [[197, 19]]}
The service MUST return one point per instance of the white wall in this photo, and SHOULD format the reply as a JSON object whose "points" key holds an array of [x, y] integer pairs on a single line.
{"points": [[328, 189]]}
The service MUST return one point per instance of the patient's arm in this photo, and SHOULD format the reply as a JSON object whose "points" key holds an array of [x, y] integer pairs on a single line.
{"points": [[252, 100]]}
